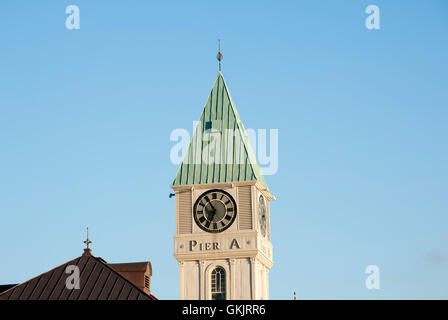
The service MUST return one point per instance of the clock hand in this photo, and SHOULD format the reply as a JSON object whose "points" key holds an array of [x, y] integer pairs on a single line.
{"points": [[213, 215], [209, 221], [209, 211], [214, 210]]}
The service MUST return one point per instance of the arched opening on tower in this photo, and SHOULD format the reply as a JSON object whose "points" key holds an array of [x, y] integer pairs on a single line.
{"points": [[218, 284]]}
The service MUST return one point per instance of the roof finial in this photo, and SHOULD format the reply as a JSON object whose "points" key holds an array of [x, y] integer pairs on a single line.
{"points": [[295, 297], [87, 250], [219, 56]]}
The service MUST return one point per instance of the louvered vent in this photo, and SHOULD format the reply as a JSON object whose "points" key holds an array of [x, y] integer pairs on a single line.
{"points": [[147, 282], [184, 209], [244, 208]]}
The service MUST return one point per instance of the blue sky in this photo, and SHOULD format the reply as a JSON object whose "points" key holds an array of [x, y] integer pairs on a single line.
{"points": [[86, 116]]}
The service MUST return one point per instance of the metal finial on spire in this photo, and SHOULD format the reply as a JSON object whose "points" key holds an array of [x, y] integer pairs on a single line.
{"points": [[219, 56], [87, 241]]}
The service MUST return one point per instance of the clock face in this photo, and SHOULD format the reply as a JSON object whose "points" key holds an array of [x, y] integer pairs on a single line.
{"points": [[214, 211], [262, 215]]}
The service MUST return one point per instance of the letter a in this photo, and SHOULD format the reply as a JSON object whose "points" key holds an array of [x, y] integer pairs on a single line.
{"points": [[373, 280], [72, 281], [373, 21], [72, 21], [234, 243]]}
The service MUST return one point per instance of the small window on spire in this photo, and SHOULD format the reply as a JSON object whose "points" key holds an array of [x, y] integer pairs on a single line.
{"points": [[214, 124], [208, 125]]}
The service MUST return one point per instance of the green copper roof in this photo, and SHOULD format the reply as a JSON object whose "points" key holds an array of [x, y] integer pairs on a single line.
{"points": [[219, 150]]}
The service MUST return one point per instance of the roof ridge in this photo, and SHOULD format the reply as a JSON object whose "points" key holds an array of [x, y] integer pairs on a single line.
{"points": [[39, 275]]}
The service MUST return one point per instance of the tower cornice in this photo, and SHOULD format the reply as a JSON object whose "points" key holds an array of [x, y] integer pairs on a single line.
{"points": [[224, 186]]}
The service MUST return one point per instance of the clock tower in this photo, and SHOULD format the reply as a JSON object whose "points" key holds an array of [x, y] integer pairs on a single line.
{"points": [[222, 236]]}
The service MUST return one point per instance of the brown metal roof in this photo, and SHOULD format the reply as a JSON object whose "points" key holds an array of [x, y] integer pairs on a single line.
{"points": [[132, 266], [5, 287], [98, 281]]}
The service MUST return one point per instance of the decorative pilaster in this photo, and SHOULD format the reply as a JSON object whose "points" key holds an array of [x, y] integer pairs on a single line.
{"points": [[232, 279], [266, 282], [264, 294], [254, 277], [202, 292], [181, 281]]}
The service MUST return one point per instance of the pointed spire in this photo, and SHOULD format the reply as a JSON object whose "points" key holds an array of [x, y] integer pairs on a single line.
{"points": [[235, 162], [87, 250], [219, 56]]}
